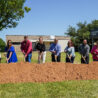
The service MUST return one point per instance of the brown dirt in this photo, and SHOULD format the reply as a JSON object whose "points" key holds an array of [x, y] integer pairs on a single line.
{"points": [[49, 72]]}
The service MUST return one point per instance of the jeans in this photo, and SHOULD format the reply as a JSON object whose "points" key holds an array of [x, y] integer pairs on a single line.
{"points": [[28, 58]]}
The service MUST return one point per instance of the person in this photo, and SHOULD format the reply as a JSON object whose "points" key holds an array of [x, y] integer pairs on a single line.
{"points": [[84, 51], [26, 48], [70, 52], [55, 50], [94, 52], [11, 54], [41, 51]]}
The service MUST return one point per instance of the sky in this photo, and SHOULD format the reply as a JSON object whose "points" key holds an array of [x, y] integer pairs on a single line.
{"points": [[53, 17]]}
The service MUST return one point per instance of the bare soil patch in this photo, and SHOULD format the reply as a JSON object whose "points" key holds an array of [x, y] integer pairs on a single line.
{"points": [[48, 72]]}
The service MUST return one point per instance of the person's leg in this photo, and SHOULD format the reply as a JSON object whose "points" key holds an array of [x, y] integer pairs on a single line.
{"points": [[59, 58], [53, 58], [67, 59], [29, 57], [72, 59], [44, 57], [26, 59], [87, 60], [39, 57], [82, 61]]}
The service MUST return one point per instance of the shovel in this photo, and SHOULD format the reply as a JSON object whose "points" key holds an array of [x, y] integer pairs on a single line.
{"points": [[84, 59], [69, 57]]}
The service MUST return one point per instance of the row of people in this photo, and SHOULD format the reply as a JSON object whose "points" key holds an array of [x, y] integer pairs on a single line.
{"points": [[55, 49]]}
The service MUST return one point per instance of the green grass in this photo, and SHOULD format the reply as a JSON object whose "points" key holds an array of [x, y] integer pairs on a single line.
{"points": [[65, 89], [48, 57], [68, 89]]}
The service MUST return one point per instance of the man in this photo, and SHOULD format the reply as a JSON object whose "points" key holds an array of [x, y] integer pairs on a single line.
{"points": [[84, 51], [26, 48], [41, 50], [55, 49]]}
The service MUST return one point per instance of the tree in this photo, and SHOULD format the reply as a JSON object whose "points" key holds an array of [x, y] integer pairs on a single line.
{"points": [[82, 31], [2, 45], [11, 11]]}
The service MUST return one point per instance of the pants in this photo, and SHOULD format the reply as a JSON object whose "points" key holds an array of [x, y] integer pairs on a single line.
{"points": [[58, 59], [70, 60], [41, 57], [86, 61], [28, 58]]}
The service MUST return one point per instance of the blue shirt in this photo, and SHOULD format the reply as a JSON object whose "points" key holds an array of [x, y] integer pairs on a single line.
{"points": [[70, 51], [55, 47]]}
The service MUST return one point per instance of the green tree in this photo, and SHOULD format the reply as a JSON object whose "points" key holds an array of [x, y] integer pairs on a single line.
{"points": [[2, 45], [82, 31], [11, 11]]}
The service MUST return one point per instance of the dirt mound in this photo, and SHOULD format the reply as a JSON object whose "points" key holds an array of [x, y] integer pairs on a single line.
{"points": [[49, 72]]}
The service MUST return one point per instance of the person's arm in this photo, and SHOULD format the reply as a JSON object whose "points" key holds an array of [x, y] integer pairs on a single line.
{"points": [[73, 52], [37, 46], [65, 50], [51, 48], [29, 49], [87, 51], [58, 50], [44, 48], [11, 52], [9, 56]]}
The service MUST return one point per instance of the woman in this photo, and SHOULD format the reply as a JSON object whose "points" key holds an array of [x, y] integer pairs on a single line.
{"points": [[11, 54], [94, 52], [70, 52]]}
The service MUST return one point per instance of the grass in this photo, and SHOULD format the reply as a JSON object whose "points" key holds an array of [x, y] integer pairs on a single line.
{"points": [[48, 57], [65, 89]]}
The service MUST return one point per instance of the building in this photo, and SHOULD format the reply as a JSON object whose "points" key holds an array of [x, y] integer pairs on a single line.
{"points": [[17, 39]]}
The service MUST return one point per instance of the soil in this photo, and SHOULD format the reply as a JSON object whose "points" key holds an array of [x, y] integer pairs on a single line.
{"points": [[48, 72]]}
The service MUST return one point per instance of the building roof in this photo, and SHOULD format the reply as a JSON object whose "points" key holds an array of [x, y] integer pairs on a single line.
{"points": [[20, 38]]}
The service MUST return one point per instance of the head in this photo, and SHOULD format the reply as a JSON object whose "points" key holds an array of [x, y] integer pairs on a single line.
{"points": [[55, 41], [9, 43], [25, 38], [85, 42], [41, 40], [69, 43]]}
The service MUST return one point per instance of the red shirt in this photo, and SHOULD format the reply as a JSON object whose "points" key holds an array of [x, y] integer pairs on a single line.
{"points": [[26, 47], [94, 52]]}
